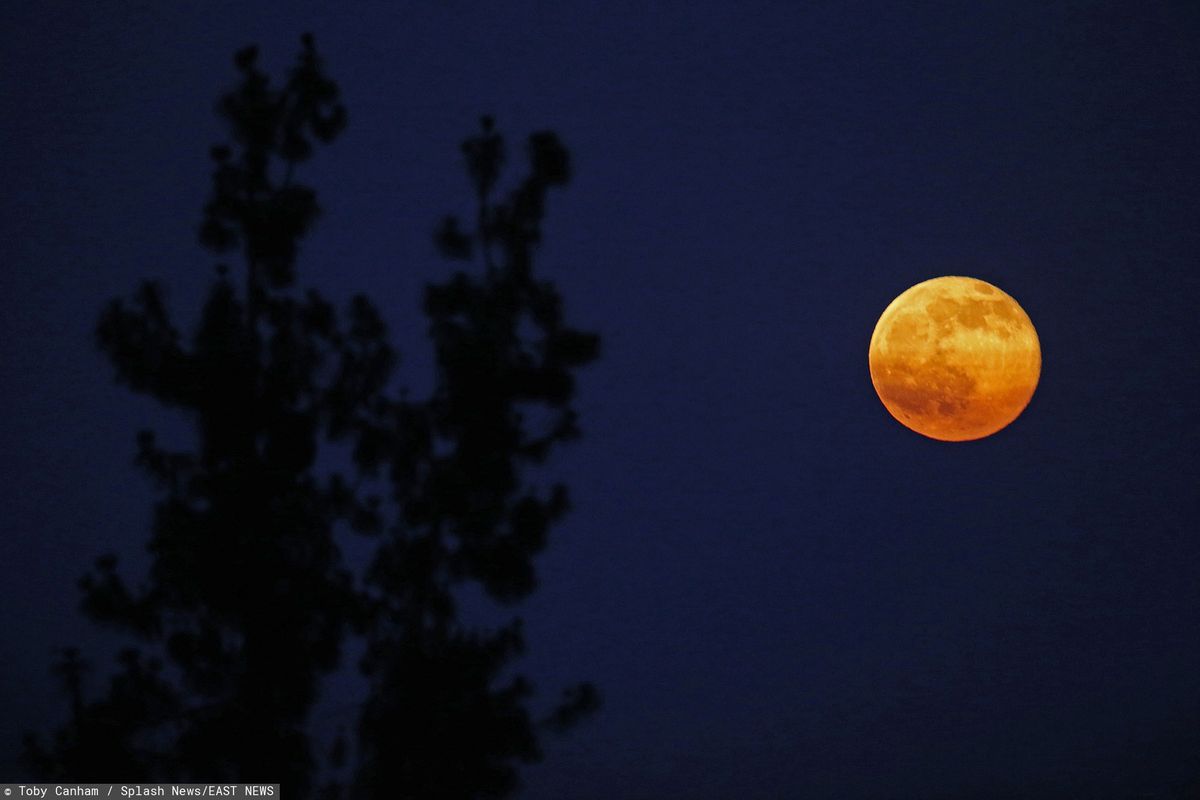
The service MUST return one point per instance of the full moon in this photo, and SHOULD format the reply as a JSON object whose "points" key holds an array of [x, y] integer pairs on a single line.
{"points": [[955, 359]]}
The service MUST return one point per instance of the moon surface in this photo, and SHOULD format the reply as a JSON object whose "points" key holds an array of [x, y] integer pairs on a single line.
{"points": [[955, 359]]}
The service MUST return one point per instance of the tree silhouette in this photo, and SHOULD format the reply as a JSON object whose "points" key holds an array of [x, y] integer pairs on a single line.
{"points": [[248, 602]]}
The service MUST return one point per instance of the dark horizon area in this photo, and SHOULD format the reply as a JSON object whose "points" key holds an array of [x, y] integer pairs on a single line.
{"points": [[778, 589]]}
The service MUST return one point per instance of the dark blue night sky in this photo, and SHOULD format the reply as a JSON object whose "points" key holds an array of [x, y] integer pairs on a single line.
{"points": [[781, 592]]}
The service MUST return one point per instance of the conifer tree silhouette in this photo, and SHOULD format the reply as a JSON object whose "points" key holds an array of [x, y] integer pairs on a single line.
{"points": [[248, 602]]}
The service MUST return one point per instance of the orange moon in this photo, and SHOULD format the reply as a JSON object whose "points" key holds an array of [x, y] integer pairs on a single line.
{"points": [[955, 359]]}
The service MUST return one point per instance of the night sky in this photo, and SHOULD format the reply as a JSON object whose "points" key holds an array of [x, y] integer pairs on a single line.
{"points": [[780, 591]]}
